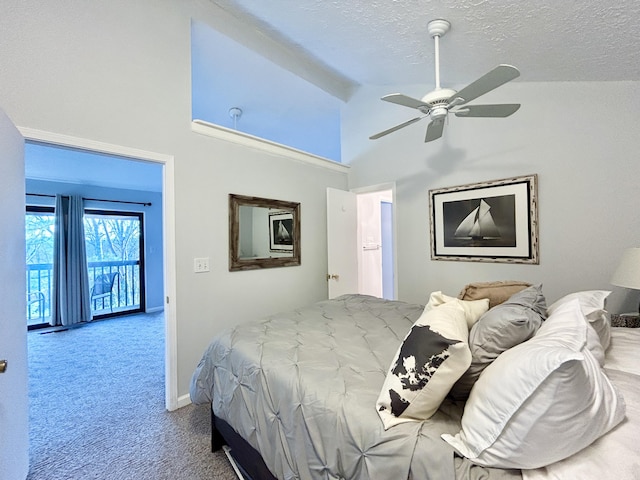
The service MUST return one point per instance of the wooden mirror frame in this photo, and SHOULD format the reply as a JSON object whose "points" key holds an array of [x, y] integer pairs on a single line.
{"points": [[235, 262]]}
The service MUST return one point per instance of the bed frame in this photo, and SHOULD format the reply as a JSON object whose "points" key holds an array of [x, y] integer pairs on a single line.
{"points": [[248, 460]]}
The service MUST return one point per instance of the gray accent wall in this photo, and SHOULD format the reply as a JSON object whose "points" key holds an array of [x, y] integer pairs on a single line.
{"points": [[582, 141]]}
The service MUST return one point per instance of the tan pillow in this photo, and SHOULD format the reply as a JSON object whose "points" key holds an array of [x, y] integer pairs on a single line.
{"points": [[496, 292], [473, 309]]}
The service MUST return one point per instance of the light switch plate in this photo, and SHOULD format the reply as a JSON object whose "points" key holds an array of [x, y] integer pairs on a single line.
{"points": [[201, 264]]}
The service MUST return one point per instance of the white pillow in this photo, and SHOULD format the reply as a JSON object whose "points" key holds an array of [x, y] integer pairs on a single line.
{"points": [[473, 309], [592, 304], [540, 401], [433, 355], [611, 456]]}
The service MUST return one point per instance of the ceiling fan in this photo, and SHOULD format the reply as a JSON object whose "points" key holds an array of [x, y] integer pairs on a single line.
{"points": [[437, 103]]}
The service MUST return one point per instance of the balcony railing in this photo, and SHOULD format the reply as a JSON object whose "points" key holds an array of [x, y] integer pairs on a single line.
{"points": [[126, 291]]}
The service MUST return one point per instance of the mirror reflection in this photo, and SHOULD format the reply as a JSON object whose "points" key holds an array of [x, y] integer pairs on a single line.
{"points": [[263, 233]]}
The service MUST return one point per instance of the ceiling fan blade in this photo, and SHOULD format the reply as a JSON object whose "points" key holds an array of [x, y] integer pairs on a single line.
{"points": [[496, 77], [393, 129], [434, 130], [498, 111], [405, 101]]}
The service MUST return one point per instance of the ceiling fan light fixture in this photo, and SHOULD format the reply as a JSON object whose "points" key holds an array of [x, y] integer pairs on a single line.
{"points": [[438, 112]]}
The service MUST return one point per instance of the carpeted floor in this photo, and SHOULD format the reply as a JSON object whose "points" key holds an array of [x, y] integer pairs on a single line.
{"points": [[97, 408]]}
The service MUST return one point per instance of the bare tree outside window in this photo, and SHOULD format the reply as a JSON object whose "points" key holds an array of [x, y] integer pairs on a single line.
{"points": [[114, 243]]}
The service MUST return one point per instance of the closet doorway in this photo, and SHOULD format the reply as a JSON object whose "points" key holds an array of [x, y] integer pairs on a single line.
{"points": [[376, 269], [361, 248]]}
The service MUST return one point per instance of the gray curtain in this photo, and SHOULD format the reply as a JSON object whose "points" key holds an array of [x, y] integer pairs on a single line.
{"points": [[70, 302]]}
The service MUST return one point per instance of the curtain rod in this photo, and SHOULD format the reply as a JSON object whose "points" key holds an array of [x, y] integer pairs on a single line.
{"points": [[144, 204]]}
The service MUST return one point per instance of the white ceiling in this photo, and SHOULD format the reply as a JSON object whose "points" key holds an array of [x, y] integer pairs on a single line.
{"points": [[385, 42], [60, 164]]}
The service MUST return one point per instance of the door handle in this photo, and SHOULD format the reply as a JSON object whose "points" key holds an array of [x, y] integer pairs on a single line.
{"points": [[3, 366], [333, 277]]}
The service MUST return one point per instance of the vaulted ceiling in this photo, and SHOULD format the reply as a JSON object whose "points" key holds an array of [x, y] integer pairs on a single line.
{"points": [[343, 44], [338, 46]]}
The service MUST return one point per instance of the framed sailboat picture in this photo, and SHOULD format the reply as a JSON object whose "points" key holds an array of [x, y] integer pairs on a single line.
{"points": [[281, 231], [494, 221]]}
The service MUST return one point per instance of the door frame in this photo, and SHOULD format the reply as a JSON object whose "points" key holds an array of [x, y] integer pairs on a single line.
{"points": [[168, 234], [379, 188]]}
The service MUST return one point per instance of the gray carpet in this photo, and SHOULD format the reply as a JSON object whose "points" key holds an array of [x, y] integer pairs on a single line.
{"points": [[97, 408]]}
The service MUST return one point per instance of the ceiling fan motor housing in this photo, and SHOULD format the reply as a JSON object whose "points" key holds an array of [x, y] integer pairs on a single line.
{"points": [[439, 96]]}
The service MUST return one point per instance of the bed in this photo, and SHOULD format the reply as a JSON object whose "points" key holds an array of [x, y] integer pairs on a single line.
{"points": [[298, 395]]}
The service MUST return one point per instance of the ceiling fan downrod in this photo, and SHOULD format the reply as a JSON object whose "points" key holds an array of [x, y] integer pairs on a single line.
{"points": [[437, 28]]}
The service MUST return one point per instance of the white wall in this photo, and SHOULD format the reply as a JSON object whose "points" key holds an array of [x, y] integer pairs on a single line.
{"points": [[119, 72], [580, 138]]}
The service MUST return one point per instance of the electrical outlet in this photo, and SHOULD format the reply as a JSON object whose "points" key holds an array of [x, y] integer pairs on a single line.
{"points": [[201, 264]]}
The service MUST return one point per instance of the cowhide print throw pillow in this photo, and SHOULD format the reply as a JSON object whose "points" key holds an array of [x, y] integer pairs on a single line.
{"points": [[433, 355]]}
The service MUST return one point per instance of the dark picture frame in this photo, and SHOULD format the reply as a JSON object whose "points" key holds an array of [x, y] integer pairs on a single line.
{"points": [[493, 221], [281, 231]]}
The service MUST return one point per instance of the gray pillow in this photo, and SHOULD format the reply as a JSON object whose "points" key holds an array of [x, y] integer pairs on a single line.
{"points": [[502, 327]]}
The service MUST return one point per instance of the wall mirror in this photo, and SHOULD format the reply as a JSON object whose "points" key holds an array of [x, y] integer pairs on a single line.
{"points": [[263, 233]]}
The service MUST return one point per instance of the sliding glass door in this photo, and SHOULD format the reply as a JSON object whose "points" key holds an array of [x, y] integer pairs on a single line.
{"points": [[115, 246], [39, 223], [115, 260]]}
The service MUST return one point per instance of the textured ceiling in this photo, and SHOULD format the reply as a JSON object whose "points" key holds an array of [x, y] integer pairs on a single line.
{"points": [[385, 42]]}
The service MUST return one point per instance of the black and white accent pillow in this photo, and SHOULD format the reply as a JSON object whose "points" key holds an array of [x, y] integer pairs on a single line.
{"points": [[433, 355]]}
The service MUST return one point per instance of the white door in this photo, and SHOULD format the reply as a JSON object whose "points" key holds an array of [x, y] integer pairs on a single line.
{"points": [[342, 250], [14, 407]]}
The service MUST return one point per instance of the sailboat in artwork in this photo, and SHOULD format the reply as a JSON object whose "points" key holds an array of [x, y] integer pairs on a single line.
{"points": [[283, 235], [479, 224]]}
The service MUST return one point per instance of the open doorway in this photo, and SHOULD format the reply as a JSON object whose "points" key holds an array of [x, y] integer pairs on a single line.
{"points": [[166, 205], [361, 249], [123, 227], [124, 190], [376, 253]]}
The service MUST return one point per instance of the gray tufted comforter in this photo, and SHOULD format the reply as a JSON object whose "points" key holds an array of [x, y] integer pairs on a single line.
{"points": [[301, 388]]}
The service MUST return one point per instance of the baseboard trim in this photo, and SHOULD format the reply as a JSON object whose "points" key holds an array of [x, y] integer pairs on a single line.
{"points": [[184, 400]]}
